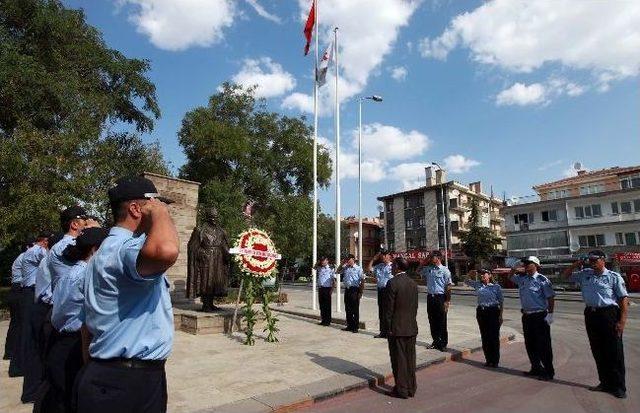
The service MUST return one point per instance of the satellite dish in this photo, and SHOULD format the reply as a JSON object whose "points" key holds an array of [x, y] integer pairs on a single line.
{"points": [[577, 166]]}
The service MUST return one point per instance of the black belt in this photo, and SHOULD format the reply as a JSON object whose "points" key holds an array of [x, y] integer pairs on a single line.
{"points": [[132, 363], [30, 287], [598, 309], [487, 307], [434, 295], [65, 334]]}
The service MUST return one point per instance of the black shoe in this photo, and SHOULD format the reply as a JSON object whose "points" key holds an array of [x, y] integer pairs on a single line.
{"points": [[380, 336], [354, 331], [494, 365], [545, 377], [619, 393], [599, 387], [346, 329], [431, 346], [487, 364], [395, 394], [532, 373]]}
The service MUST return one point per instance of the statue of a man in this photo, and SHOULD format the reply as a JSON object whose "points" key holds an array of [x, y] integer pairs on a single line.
{"points": [[208, 261]]}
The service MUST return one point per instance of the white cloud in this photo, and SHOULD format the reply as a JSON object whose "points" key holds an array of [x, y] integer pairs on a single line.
{"points": [[399, 73], [602, 37], [411, 175], [299, 101], [272, 80], [538, 93], [549, 165], [388, 143], [178, 25], [373, 170], [458, 164], [522, 95], [263, 12], [368, 29]]}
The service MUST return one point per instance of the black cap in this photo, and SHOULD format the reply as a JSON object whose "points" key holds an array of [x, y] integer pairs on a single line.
{"points": [[484, 271], [91, 237], [134, 187], [351, 256], [436, 253], [72, 213], [385, 252], [597, 254]]}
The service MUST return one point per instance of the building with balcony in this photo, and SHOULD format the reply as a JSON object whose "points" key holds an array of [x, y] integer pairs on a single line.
{"points": [[372, 229], [597, 209], [418, 219]]}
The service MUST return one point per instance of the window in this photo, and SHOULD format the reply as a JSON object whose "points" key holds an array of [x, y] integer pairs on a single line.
{"points": [[636, 205], [408, 223], [558, 193], [625, 207], [591, 240], [531, 217], [619, 238], [423, 242], [588, 211], [591, 189], [421, 222], [632, 181], [614, 208], [390, 206], [550, 215], [515, 219], [630, 238], [579, 212], [597, 210]]}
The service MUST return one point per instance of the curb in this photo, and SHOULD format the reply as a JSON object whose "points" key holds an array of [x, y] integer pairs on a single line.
{"points": [[308, 394], [340, 321]]}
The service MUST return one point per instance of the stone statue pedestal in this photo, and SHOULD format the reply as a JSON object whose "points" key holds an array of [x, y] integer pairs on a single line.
{"points": [[187, 319]]}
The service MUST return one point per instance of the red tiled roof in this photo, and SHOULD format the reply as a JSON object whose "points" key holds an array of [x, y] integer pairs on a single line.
{"points": [[615, 170]]}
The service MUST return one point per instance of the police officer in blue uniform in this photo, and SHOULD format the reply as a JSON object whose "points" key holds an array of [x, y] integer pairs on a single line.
{"points": [[537, 300], [606, 299], [382, 272], [64, 358], [72, 220], [12, 343], [128, 318], [30, 352], [489, 315], [353, 279], [437, 277], [326, 283]]}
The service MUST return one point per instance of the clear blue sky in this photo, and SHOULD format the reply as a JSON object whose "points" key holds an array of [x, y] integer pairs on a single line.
{"points": [[509, 93]]}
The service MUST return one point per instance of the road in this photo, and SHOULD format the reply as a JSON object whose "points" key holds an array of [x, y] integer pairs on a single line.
{"points": [[467, 386]]}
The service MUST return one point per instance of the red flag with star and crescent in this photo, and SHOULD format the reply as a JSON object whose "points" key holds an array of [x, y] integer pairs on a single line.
{"points": [[308, 27]]}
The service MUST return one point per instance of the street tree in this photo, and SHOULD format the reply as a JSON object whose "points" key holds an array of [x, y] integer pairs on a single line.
{"points": [[480, 242]]}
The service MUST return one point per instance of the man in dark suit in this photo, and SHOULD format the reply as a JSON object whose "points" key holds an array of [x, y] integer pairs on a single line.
{"points": [[402, 309]]}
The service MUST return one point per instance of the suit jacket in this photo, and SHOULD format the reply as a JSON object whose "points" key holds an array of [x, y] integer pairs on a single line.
{"points": [[402, 306]]}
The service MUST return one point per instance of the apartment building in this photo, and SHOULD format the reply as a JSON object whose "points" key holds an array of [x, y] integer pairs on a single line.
{"points": [[596, 209], [433, 217], [372, 229]]}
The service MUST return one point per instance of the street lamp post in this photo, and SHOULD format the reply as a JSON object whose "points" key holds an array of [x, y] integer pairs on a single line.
{"points": [[375, 98], [444, 219]]}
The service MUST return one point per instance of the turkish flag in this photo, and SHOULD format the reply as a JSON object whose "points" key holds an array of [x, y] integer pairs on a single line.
{"points": [[308, 27]]}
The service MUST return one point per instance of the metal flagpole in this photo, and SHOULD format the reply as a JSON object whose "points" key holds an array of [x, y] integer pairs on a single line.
{"points": [[360, 234], [337, 119], [314, 254]]}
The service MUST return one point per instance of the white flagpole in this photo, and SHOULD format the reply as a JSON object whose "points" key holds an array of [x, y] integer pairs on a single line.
{"points": [[314, 259], [337, 119]]}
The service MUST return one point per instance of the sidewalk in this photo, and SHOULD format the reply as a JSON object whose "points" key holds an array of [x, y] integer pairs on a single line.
{"points": [[217, 373]]}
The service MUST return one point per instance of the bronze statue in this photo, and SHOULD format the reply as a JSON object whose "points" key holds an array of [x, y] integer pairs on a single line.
{"points": [[208, 261]]}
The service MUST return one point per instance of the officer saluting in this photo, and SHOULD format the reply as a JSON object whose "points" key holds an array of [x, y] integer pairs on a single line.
{"points": [[537, 300], [354, 284], [382, 271], [438, 280], [326, 282], [605, 315], [12, 344], [128, 318]]}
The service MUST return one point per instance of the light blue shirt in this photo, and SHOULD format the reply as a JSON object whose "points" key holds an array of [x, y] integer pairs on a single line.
{"points": [[436, 278], [600, 290], [351, 275], [16, 269], [58, 265], [325, 276], [127, 314], [43, 282], [68, 299], [30, 263], [383, 274], [534, 291], [489, 295]]}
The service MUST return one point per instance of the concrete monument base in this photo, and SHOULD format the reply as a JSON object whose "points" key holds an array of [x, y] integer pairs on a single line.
{"points": [[189, 320]]}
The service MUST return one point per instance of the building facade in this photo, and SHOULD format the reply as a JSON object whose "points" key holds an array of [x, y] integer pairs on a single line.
{"points": [[434, 216], [372, 229], [598, 209]]}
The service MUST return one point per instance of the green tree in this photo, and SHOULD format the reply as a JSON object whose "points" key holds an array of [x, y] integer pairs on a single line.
{"points": [[240, 151], [63, 95], [480, 242]]}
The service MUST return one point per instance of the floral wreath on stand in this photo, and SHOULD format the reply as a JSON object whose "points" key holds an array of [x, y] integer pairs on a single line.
{"points": [[257, 257]]}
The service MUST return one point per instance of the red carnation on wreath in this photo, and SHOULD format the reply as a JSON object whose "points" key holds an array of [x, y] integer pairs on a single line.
{"points": [[255, 253]]}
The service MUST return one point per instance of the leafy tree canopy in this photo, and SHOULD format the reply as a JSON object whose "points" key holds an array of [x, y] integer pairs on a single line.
{"points": [[240, 151], [480, 242]]}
